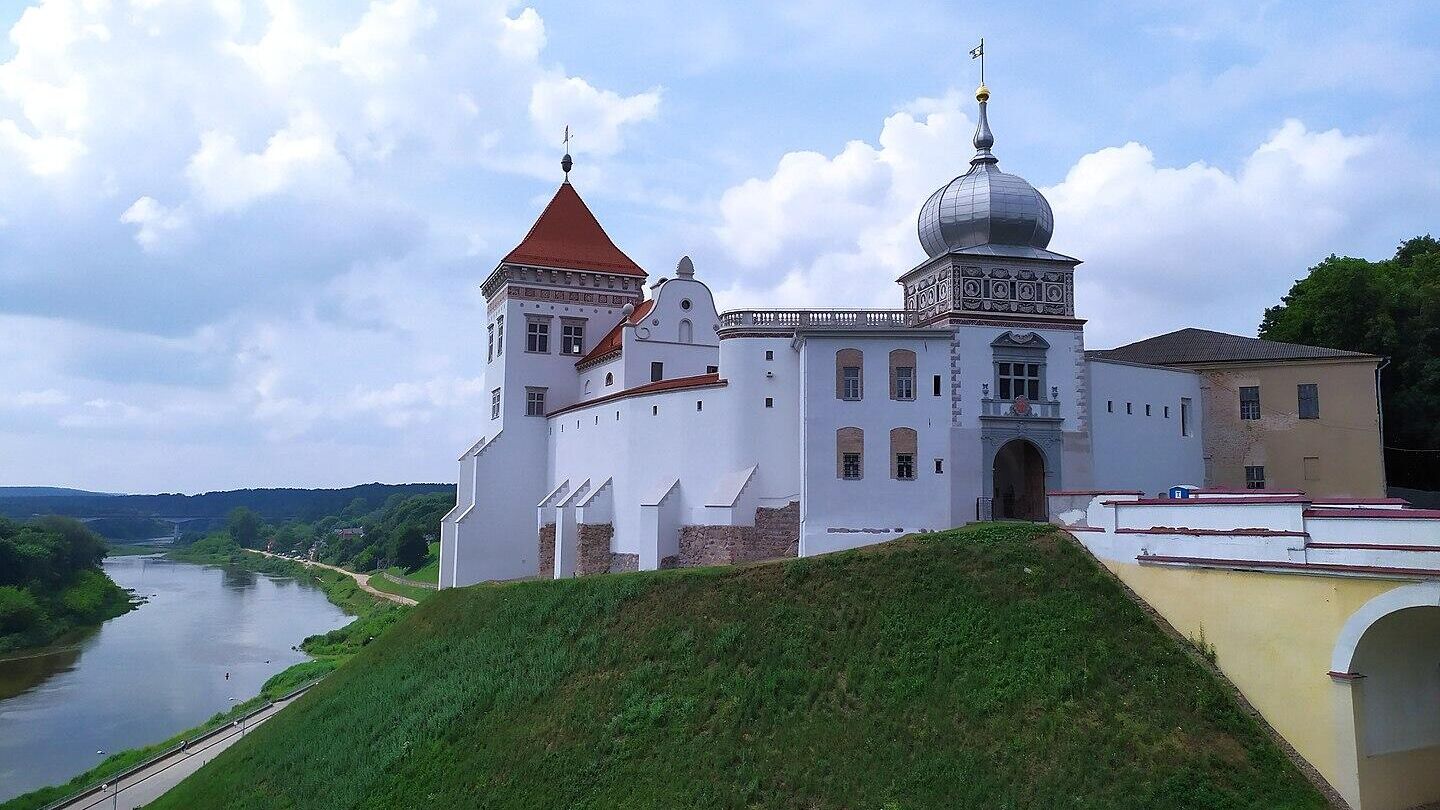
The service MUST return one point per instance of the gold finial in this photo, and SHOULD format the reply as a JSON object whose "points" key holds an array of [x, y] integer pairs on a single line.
{"points": [[982, 93]]}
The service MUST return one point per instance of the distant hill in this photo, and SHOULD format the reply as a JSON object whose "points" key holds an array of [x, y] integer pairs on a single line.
{"points": [[990, 666], [271, 504], [50, 492]]}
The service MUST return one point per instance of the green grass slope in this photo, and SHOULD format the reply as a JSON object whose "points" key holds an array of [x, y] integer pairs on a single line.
{"points": [[993, 666]]}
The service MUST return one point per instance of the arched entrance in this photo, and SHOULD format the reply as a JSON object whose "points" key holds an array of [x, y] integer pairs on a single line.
{"points": [[1387, 656], [1018, 491]]}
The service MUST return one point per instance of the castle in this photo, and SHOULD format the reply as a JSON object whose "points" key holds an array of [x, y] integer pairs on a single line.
{"points": [[630, 431]]}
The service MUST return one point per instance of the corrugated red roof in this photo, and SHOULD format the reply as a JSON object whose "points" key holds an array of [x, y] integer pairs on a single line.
{"points": [[567, 235], [612, 342]]}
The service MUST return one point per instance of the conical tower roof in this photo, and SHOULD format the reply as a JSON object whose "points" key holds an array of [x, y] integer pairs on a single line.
{"points": [[567, 236]]}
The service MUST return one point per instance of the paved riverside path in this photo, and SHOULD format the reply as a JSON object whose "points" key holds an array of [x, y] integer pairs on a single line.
{"points": [[363, 580], [146, 785]]}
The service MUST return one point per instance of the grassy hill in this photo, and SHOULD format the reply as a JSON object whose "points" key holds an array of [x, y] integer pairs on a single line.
{"points": [[994, 666]]}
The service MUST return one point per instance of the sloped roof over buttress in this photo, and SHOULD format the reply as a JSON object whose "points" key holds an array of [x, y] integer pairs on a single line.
{"points": [[568, 236], [613, 342]]}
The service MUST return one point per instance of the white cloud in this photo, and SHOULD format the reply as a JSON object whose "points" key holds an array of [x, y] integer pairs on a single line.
{"points": [[38, 399], [155, 221], [596, 116], [302, 156], [837, 230]]}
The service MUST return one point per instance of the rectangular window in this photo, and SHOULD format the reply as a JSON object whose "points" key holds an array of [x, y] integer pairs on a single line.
{"points": [[850, 465], [534, 401], [1311, 466], [851, 382], [1018, 379], [490, 343], [657, 371], [712, 369], [769, 402], [699, 405], [937, 385], [904, 382], [572, 338], [1129, 409], [1250, 402], [1147, 409], [1185, 416], [905, 466], [1254, 477], [1309, 394], [500, 335], [537, 337], [1167, 411], [939, 466], [654, 410], [495, 404], [1109, 406], [769, 355]]}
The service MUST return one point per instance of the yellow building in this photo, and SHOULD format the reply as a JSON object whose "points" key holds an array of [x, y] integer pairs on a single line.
{"points": [[1279, 415]]}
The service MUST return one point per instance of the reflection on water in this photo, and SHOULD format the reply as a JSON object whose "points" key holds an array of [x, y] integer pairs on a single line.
{"points": [[153, 672]]}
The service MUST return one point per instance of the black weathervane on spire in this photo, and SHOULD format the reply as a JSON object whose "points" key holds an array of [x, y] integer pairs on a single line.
{"points": [[978, 52], [565, 162]]}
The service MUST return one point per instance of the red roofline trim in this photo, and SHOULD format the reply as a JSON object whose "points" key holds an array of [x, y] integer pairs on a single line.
{"points": [[662, 386]]}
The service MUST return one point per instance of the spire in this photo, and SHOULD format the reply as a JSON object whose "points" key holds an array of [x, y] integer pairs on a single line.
{"points": [[984, 138], [565, 162]]}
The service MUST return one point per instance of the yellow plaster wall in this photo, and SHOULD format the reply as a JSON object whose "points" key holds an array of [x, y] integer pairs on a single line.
{"points": [[1273, 636]]}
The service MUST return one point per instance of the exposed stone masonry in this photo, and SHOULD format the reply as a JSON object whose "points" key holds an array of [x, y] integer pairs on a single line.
{"points": [[546, 568], [595, 548], [776, 533]]}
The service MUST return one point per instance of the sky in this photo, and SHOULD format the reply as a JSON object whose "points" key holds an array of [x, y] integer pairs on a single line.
{"points": [[242, 241]]}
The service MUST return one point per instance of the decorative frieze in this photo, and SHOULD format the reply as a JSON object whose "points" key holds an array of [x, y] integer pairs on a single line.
{"points": [[1021, 290]]}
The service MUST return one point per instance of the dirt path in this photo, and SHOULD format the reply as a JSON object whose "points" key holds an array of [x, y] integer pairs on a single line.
{"points": [[363, 580]]}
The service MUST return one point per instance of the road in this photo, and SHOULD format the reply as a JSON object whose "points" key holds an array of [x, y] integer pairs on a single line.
{"points": [[145, 786], [363, 580]]}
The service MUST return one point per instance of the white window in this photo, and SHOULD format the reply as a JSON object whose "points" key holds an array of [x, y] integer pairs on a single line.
{"points": [[904, 382], [851, 380], [1250, 402], [1018, 379], [495, 404], [572, 338], [537, 336], [500, 335], [534, 401], [490, 343]]}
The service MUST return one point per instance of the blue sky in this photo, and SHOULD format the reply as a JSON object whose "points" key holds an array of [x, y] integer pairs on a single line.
{"points": [[241, 240]]}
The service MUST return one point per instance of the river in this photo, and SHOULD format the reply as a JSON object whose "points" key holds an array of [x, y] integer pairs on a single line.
{"points": [[155, 671]]}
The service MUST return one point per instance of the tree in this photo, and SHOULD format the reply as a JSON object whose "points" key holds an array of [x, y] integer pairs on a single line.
{"points": [[409, 548], [1389, 308], [244, 527]]}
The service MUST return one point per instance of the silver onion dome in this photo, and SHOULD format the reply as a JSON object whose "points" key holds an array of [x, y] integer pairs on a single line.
{"points": [[984, 205]]}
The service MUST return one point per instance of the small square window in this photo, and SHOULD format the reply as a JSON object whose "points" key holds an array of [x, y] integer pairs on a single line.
{"points": [[535, 402], [1254, 477], [850, 466], [769, 355], [712, 369], [769, 402]]}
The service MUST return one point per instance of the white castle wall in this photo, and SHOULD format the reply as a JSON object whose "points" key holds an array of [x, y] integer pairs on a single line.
{"points": [[1136, 450]]}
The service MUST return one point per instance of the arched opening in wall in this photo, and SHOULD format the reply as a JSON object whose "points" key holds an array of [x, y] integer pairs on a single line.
{"points": [[687, 331], [609, 378], [1019, 482], [1397, 709]]}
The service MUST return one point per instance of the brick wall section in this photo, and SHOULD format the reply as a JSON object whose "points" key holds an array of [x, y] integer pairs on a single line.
{"points": [[595, 548], [713, 545], [546, 568], [623, 563], [777, 532]]}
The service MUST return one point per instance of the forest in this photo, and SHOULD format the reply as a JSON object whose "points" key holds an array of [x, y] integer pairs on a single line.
{"points": [[51, 582]]}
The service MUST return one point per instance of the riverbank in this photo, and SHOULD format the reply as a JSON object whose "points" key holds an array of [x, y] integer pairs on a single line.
{"points": [[372, 616]]}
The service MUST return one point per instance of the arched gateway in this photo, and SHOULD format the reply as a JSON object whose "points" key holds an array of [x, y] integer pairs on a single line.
{"points": [[1018, 482]]}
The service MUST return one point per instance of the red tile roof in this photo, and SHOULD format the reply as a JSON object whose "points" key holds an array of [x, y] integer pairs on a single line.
{"points": [[568, 236], [677, 384], [612, 342]]}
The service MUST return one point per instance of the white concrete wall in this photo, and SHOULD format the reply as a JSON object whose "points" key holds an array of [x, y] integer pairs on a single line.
{"points": [[1137, 450], [754, 434], [836, 513], [657, 336]]}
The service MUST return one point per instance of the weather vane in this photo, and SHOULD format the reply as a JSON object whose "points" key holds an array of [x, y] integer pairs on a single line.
{"points": [[978, 52], [566, 162]]}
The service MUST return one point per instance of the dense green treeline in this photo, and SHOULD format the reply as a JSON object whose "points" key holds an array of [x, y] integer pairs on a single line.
{"points": [[51, 581], [397, 533], [270, 504]]}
